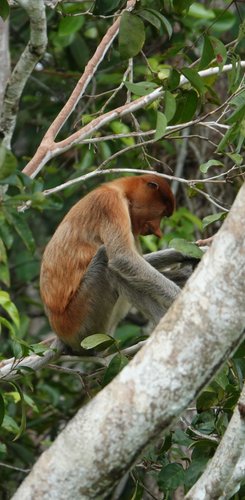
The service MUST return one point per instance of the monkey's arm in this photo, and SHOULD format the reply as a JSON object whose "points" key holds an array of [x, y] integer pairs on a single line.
{"points": [[132, 275], [165, 258], [173, 264]]}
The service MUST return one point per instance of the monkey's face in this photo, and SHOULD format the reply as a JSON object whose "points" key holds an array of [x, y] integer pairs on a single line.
{"points": [[152, 200], [151, 227]]}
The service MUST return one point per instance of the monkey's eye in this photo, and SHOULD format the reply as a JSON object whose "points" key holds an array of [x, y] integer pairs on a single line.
{"points": [[153, 185]]}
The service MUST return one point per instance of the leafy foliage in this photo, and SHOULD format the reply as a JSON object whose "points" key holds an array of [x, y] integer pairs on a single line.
{"points": [[178, 38]]}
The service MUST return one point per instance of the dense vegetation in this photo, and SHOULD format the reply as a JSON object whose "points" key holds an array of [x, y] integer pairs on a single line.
{"points": [[158, 44]]}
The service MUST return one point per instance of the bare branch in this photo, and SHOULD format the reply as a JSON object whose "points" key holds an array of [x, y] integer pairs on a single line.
{"points": [[11, 369], [43, 155], [4, 58], [49, 148]]}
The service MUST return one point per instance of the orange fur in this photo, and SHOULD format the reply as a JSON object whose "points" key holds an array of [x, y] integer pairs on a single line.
{"points": [[114, 215]]}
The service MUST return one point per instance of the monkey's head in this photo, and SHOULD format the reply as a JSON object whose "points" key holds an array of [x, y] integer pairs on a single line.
{"points": [[150, 199]]}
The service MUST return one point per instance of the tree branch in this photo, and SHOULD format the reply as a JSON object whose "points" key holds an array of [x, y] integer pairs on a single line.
{"points": [[11, 369], [4, 58], [24, 67], [49, 149], [43, 153], [220, 479]]}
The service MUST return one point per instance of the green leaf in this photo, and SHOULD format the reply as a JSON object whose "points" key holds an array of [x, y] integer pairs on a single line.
{"points": [[131, 35], [23, 411], [3, 254], [169, 105], [181, 5], [8, 162], [222, 377], [173, 79], [127, 333], [9, 307], [70, 25], [115, 366], [207, 53], [186, 247], [228, 137], [39, 349], [138, 492], [3, 451], [160, 126], [118, 127], [195, 470], [26, 266], [199, 11], [224, 21], [164, 73], [151, 17], [165, 23], [30, 402], [238, 159], [210, 219], [186, 106], [6, 232], [4, 9], [141, 88], [234, 76], [156, 19], [219, 51], [238, 100], [238, 115], [210, 163], [149, 242], [171, 476], [181, 438], [194, 79], [206, 400], [8, 325], [4, 274], [96, 340], [21, 227], [10, 425], [103, 7]]}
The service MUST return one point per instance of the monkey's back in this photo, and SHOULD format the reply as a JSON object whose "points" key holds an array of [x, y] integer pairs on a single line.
{"points": [[64, 278]]}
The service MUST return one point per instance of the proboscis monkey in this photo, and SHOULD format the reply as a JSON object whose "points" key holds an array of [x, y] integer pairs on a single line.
{"points": [[92, 268]]}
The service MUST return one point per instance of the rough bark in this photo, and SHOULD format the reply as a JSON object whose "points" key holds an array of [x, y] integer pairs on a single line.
{"points": [[4, 57]]}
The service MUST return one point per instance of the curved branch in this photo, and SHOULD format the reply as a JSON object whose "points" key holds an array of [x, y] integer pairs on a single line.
{"points": [[11, 369], [49, 148], [42, 154]]}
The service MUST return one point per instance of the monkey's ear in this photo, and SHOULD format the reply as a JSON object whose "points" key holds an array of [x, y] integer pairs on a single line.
{"points": [[153, 185]]}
